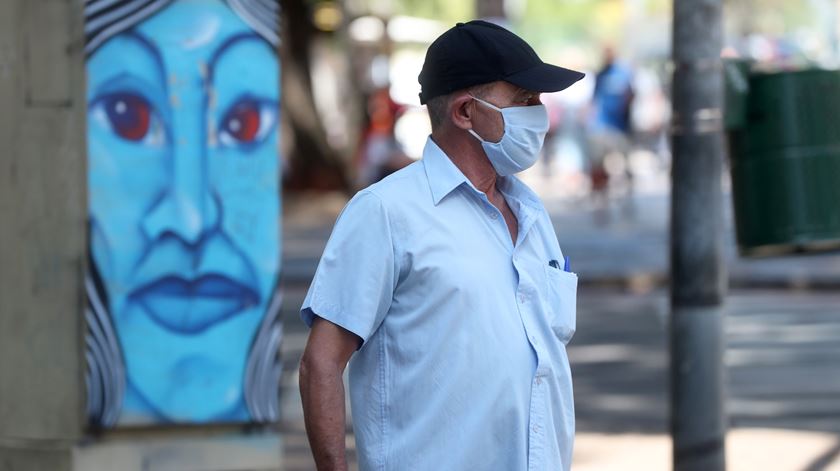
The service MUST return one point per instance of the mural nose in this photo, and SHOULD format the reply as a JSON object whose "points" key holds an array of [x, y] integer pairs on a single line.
{"points": [[186, 217]]}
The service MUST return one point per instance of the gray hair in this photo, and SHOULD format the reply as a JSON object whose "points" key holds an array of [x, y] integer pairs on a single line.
{"points": [[438, 106]]}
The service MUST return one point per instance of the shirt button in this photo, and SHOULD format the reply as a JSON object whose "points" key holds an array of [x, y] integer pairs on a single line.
{"points": [[522, 298], [538, 381], [536, 428], [493, 216]]}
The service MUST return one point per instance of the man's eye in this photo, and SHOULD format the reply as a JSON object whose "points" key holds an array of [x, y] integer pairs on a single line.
{"points": [[246, 122], [522, 100], [129, 115]]}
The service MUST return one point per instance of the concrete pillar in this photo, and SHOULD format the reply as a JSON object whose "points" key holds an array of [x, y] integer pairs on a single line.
{"points": [[43, 210]]}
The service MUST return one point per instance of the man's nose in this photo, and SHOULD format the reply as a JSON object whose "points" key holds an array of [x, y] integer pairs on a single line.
{"points": [[187, 208]]}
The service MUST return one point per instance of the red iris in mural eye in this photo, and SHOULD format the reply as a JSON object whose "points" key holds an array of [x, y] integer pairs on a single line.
{"points": [[242, 122], [129, 114]]}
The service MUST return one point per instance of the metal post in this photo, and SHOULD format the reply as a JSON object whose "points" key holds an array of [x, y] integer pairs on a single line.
{"points": [[698, 272]]}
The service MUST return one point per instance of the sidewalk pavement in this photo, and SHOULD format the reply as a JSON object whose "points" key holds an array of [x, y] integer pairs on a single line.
{"points": [[747, 450], [782, 369]]}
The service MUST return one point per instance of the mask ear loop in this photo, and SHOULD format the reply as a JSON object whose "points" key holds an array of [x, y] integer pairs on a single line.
{"points": [[475, 134], [486, 103], [489, 105]]}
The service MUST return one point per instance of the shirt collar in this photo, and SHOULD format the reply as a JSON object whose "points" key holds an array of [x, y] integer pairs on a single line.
{"points": [[442, 174], [513, 187]]}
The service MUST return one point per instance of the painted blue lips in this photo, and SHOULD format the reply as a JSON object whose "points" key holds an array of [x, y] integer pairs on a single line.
{"points": [[191, 306]]}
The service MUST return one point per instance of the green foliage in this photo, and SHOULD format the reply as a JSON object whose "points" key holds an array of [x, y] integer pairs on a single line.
{"points": [[550, 25]]}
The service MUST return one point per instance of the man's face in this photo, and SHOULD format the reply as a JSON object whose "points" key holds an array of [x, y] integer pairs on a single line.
{"points": [[184, 204], [487, 122]]}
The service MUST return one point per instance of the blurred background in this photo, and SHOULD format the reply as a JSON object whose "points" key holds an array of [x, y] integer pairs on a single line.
{"points": [[151, 149], [605, 179]]}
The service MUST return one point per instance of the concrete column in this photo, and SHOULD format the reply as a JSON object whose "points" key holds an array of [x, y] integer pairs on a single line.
{"points": [[43, 210]]}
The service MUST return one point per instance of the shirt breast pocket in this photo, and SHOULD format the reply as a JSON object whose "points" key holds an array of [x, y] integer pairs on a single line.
{"points": [[562, 302]]}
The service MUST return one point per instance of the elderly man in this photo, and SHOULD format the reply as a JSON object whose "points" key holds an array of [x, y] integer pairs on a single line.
{"points": [[447, 287]]}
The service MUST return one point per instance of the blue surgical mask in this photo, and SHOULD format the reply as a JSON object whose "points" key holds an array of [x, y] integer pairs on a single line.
{"points": [[519, 148]]}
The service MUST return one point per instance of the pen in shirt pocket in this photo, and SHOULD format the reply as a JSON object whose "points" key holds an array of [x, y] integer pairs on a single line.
{"points": [[567, 266]]}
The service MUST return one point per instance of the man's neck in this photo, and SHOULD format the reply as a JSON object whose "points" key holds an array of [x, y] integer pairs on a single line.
{"points": [[468, 155]]}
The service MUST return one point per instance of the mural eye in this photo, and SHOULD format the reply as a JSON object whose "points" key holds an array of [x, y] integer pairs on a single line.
{"points": [[242, 122], [246, 122], [129, 115]]}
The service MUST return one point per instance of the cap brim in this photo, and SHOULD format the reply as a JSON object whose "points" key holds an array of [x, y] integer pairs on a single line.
{"points": [[545, 78]]}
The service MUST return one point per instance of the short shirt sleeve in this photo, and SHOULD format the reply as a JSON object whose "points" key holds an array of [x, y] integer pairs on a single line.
{"points": [[355, 280]]}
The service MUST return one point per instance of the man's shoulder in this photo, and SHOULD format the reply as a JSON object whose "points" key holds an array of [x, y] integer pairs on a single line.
{"points": [[406, 185]]}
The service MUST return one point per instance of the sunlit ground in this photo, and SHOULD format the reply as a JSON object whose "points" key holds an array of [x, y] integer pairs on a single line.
{"points": [[747, 450]]}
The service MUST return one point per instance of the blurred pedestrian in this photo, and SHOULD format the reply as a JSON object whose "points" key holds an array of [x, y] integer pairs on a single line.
{"points": [[609, 132], [446, 285], [379, 153]]}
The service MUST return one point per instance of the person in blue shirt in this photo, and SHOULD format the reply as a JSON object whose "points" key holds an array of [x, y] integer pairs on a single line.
{"points": [[610, 125], [445, 288], [613, 94]]}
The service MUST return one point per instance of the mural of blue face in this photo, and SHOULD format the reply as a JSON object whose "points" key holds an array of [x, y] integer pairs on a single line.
{"points": [[184, 205]]}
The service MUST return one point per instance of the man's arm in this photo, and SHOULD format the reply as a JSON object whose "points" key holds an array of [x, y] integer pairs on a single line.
{"points": [[322, 391]]}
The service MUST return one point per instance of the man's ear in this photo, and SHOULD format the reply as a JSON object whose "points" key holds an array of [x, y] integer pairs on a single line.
{"points": [[461, 109]]}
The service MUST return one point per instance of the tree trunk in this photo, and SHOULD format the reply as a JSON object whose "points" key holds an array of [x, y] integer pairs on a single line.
{"points": [[313, 164], [490, 8]]}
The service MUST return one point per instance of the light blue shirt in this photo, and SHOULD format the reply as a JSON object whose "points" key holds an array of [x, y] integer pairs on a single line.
{"points": [[463, 364]]}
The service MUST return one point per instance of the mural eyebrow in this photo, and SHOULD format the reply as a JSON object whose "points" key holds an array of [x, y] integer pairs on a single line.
{"points": [[148, 45], [211, 65]]}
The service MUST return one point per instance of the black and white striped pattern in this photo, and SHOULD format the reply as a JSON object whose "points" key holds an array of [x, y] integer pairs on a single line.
{"points": [[262, 373], [262, 15], [105, 378], [105, 19]]}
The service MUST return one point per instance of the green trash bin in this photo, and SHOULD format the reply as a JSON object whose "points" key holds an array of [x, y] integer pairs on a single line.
{"points": [[784, 138]]}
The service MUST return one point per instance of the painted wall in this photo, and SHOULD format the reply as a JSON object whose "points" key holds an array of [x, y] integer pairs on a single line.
{"points": [[184, 201]]}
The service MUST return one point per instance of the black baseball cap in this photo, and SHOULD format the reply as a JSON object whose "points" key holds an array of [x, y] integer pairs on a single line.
{"points": [[481, 52]]}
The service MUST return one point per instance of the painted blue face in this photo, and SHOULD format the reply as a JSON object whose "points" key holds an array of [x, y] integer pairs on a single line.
{"points": [[184, 204]]}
